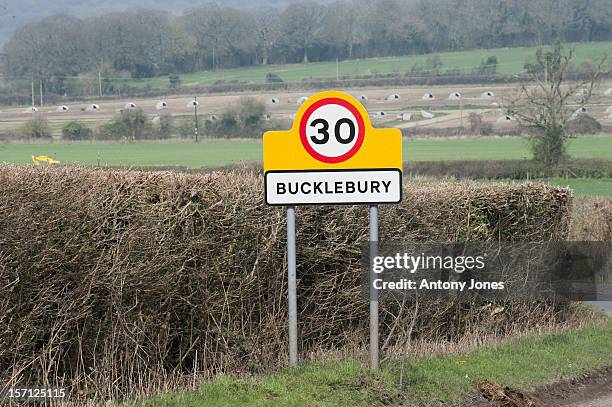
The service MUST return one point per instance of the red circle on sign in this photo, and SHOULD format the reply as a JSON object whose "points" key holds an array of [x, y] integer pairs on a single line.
{"points": [[360, 130]]}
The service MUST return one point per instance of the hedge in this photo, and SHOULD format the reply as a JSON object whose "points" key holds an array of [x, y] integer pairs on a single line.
{"points": [[112, 279]]}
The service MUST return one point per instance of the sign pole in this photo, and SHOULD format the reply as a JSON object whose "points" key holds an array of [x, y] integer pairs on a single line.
{"points": [[293, 354], [374, 360]]}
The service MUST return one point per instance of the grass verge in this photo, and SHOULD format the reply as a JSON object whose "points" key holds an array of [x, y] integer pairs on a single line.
{"points": [[519, 363]]}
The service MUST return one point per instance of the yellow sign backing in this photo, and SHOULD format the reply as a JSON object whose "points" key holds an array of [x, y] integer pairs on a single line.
{"points": [[332, 154]]}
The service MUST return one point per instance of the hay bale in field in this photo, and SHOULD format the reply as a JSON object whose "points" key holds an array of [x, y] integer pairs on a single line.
{"points": [[62, 109], [31, 109], [125, 275], [505, 119], [92, 108], [363, 99], [301, 100], [130, 105], [193, 103], [427, 96], [581, 110], [427, 115], [274, 101], [454, 96], [581, 93], [162, 104], [406, 117], [487, 94], [393, 96]]}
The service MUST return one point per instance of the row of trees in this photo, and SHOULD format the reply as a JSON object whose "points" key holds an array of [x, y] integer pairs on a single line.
{"points": [[144, 43]]}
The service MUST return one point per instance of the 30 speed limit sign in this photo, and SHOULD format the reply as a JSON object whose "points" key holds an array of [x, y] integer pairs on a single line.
{"points": [[332, 130], [332, 155]]}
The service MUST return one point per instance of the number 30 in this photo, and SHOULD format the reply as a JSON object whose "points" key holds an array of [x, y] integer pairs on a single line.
{"points": [[323, 131]]}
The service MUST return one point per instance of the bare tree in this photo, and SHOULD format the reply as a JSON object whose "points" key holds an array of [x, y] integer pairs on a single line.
{"points": [[550, 101], [302, 26], [221, 34], [268, 33], [344, 26]]}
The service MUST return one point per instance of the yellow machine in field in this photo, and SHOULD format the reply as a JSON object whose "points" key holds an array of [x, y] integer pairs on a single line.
{"points": [[43, 160]]}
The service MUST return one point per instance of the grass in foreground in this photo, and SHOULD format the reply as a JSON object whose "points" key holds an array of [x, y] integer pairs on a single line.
{"points": [[223, 152], [518, 363]]}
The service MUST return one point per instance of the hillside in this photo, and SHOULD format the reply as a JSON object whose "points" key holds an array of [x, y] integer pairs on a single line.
{"points": [[510, 61]]}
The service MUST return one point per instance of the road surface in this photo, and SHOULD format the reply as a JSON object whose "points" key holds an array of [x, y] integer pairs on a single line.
{"points": [[605, 306], [601, 402]]}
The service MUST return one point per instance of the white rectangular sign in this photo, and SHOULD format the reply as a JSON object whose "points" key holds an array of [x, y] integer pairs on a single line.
{"points": [[333, 187]]}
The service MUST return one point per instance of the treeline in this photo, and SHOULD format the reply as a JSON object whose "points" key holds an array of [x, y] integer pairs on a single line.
{"points": [[144, 43]]}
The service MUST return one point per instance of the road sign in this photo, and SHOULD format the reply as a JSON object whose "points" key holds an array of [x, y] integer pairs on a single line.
{"points": [[332, 155]]}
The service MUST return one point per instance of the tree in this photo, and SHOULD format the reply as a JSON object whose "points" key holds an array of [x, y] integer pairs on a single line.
{"points": [[343, 26], [268, 33], [37, 127], [76, 131], [174, 80], [131, 124], [547, 104], [302, 26], [250, 112], [166, 125]]}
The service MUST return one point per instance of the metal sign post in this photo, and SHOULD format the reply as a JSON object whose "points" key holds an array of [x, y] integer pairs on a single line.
{"points": [[374, 360], [292, 293]]}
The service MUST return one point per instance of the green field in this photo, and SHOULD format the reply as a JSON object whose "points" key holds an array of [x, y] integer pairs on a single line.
{"points": [[580, 186], [585, 186], [510, 61], [222, 152], [519, 364]]}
